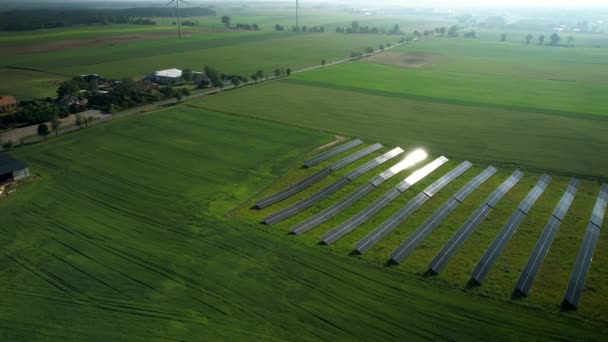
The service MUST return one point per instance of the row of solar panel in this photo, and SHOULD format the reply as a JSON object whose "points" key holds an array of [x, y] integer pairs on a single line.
{"points": [[364, 190], [575, 288], [292, 190], [361, 217], [332, 188], [333, 152]]}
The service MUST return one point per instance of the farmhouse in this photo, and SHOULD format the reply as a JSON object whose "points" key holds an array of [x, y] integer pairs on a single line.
{"points": [[71, 100], [12, 169], [7, 103], [169, 76]]}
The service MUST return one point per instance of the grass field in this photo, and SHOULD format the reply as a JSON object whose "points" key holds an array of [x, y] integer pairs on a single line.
{"points": [[118, 51], [564, 130], [123, 234]]}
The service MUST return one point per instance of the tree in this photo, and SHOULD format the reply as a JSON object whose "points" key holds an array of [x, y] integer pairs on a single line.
{"points": [[278, 27], [43, 130], [396, 29], [255, 27], [185, 92], [7, 145], [260, 74], [355, 26], [55, 123], [187, 75], [226, 21], [381, 47], [503, 37], [69, 87], [417, 34], [570, 40], [288, 71], [214, 76], [277, 72], [453, 31], [323, 62], [79, 121], [529, 38], [541, 39], [555, 39]]}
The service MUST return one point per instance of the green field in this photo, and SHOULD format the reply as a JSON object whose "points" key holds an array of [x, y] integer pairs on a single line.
{"points": [[118, 51], [409, 107], [123, 234]]}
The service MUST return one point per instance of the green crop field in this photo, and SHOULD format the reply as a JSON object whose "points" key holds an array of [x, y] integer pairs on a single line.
{"points": [[123, 235], [118, 51], [564, 130]]}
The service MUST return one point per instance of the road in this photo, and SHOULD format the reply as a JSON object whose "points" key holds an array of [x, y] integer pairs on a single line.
{"points": [[26, 135]]}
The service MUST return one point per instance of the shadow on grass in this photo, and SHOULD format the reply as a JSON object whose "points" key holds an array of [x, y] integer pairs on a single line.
{"points": [[472, 284], [518, 295], [429, 273]]}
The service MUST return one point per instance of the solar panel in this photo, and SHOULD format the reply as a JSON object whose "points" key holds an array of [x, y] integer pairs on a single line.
{"points": [[472, 185], [414, 240], [450, 248], [355, 156], [417, 175], [333, 152], [306, 203], [533, 195], [597, 217], [389, 225], [292, 190], [505, 187], [373, 163], [538, 255], [489, 258], [318, 219], [357, 220], [581, 267], [446, 179], [566, 200]]}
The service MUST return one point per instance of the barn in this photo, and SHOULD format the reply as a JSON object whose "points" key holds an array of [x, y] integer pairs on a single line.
{"points": [[11, 169]]}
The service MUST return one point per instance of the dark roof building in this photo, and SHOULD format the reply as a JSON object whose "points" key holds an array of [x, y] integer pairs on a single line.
{"points": [[11, 169]]}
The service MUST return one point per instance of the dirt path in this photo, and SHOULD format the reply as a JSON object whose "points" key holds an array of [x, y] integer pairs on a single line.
{"points": [[339, 139]]}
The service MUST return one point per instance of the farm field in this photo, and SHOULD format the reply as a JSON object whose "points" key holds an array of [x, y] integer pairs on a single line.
{"points": [[563, 130], [124, 229], [118, 51]]}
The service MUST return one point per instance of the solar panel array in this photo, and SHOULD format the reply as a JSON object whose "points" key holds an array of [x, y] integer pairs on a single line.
{"points": [[451, 247], [332, 188], [416, 238], [585, 254], [360, 193], [546, 239], [389, 225], [292, 190], [333, 152], [361, 217], [504, 236]]}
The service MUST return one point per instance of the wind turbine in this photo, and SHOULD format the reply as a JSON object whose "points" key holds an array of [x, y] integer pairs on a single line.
{"points": [[179, 26], [297, 16]]}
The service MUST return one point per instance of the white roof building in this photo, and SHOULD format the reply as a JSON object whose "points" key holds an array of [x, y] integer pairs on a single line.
{"points": [[169, 73]]}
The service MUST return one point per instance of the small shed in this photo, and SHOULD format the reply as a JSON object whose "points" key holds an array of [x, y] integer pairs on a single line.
{"points": [[12, 169]]}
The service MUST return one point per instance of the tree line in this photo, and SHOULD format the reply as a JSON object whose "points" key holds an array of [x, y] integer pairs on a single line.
{"points": [[227, 21], [36, 19], [554, 40], [356, 28]]}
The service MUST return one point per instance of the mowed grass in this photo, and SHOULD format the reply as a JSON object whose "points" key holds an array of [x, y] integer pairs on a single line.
{"points": [[552, 281], [122, 235]]}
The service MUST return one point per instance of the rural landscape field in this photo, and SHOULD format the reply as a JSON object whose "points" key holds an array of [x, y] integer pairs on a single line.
{"points": [[135, 206]]}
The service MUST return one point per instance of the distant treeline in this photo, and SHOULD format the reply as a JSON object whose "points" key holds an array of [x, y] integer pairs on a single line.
{"points": [[22, 20]]}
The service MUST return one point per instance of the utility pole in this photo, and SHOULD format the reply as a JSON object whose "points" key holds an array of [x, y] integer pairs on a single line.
{"points": [[179, 24]]}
